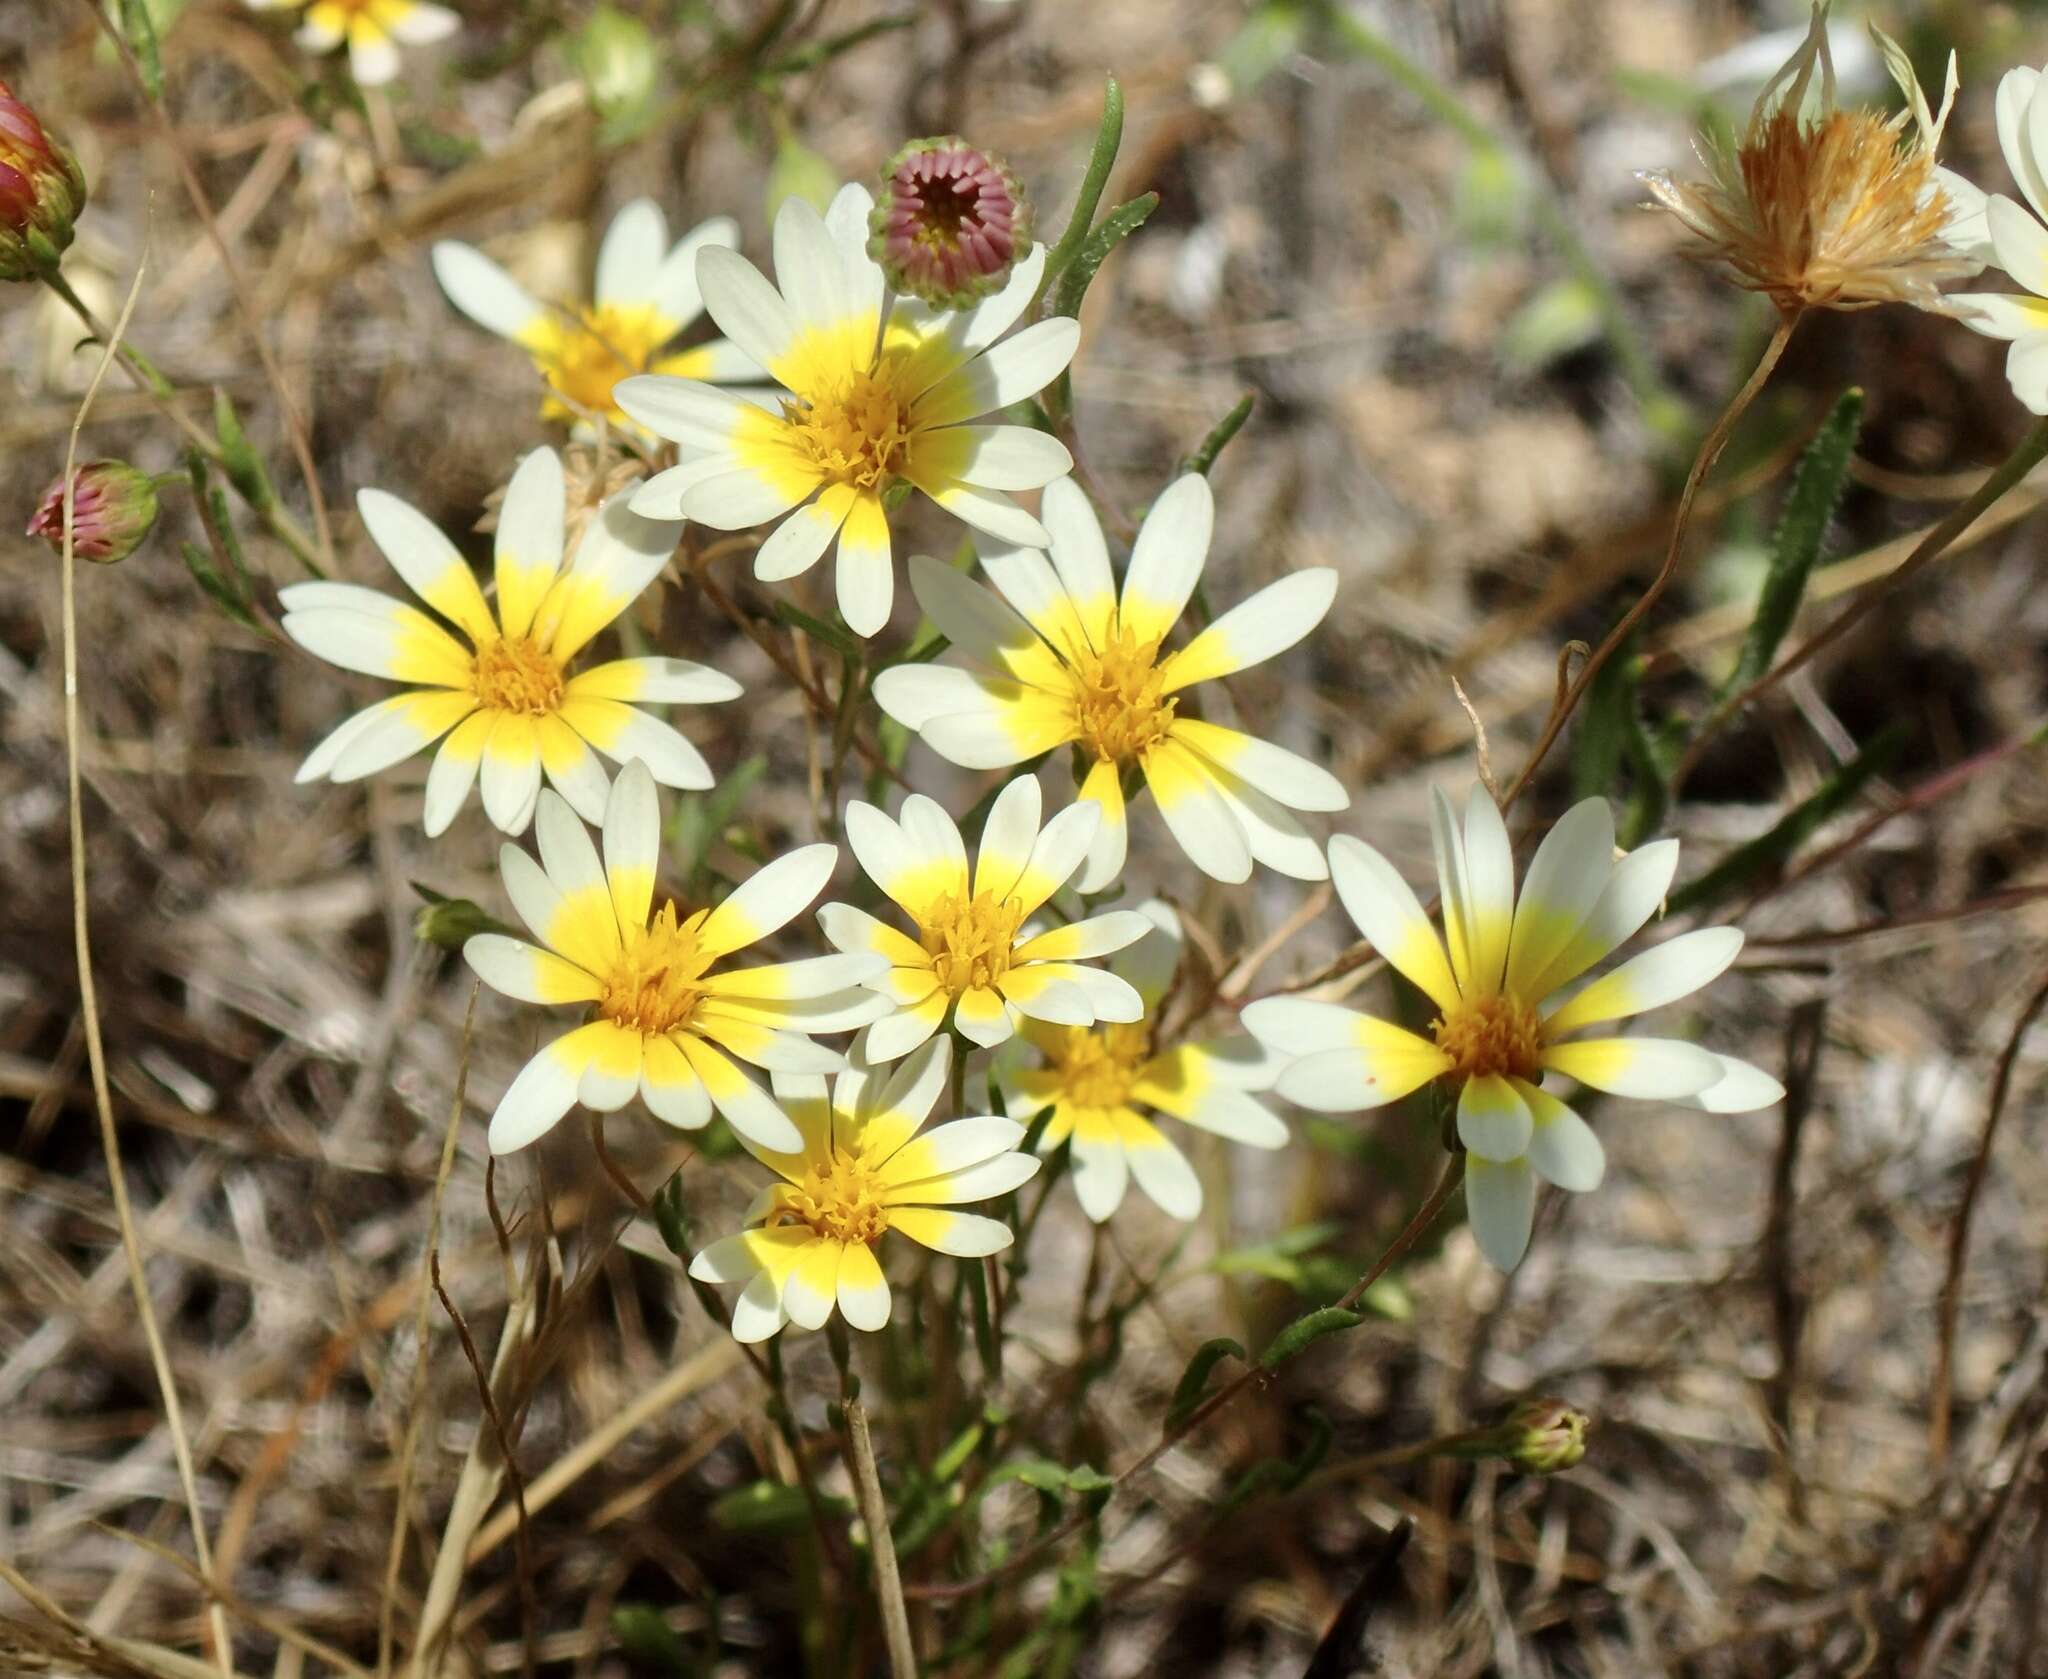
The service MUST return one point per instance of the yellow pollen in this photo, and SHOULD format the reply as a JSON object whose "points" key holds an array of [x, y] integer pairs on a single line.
{"points": [[1484, 1036], [658, 980], [1098, 1068], [970, 940], [1120, 711], [840, 1199], [856, 431], [517, 676], [583, 351]]}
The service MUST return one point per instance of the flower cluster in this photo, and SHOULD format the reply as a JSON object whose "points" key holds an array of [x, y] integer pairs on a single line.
{"points": [[890, 353]]}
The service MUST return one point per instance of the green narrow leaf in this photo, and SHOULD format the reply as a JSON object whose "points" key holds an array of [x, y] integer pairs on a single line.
{"points": [[1763, 856], [215, 587], [140, 29], [1116, 227], [1109, 134], [1306, 1329], [1221, 433], [1796, 543], [241, 463], [818, 630], [768, 1507], [1194, 1380]]}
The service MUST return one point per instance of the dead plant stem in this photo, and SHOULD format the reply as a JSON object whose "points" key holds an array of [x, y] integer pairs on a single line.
{"points": [[874, 1512]]}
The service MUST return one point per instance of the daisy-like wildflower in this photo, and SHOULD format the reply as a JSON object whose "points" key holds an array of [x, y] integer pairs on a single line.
{"points": [[1507, 1009], [669, 1014], [1062, 657], [2014, 237], [646, 294], [497, 684], [972, 955], [373, 31], [1101, 1082], [861, 1170], [1831, 208], [866, 403]]}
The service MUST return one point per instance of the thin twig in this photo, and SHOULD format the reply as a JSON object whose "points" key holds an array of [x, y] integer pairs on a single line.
{"points": [[875, 1514], [416, 1407], [1804, 1035], [1710, 451], [88, 998], [1942, 1400]]}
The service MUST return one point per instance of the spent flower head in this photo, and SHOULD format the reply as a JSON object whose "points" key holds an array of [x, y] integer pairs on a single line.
{"points": [[645, 296], [861, 1169], [950, 224], [1816, 206], [494, 678], [1502, 979], [41, 193], [113, 507]]}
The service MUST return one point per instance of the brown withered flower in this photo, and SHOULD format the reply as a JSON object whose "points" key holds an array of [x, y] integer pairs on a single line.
{"points": [[1818, 207]]}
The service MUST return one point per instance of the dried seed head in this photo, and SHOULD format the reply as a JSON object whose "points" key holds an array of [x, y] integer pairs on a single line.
{"points": [[950, 223], [1824, 208], [113, 506], [41, 193]]}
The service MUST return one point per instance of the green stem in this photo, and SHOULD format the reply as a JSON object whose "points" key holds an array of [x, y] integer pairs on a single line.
{"points": [[1108, 136], [159, 390]]}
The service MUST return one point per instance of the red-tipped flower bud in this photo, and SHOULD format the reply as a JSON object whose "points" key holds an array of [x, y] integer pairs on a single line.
{"points": [[113, 507], [41, 193], [951, 222]]}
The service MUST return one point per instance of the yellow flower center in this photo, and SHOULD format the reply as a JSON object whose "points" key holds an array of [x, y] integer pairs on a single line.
{"points": [[585, 350], [1098, 1068], [517, 676], [1120, 709], [856, 429], [658, 981], [1488, 1036], [970, 939], [840, 1199]]}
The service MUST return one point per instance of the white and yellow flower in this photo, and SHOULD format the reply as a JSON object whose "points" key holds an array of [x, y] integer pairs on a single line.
{"points": [[1101, 1082], [861, 1170], [972, 955], [497, 683], [2012, 236], [646, 295], [865, 403], [669, 1016], [373, 31], [1507, 1005], [1063, 657]]}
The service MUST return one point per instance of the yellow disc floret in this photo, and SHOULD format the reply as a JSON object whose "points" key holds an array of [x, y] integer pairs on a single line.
{"points": [[657, 984], [1097, 1068], [839, 1198], [970, 939], [517, 676], [1120, 709], [1491, 1036], [583, 352], [856, 430]]}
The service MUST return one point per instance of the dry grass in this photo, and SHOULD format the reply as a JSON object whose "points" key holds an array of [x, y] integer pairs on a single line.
{"points": [[1749, 1306]]}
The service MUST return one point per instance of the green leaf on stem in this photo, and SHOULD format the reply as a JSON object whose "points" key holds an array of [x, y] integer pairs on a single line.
{"points": [[1796, 543], [1116, 227], [1310, 1327], [1109, 134], [1194, 1381], [769, 1507], [139, 28]]}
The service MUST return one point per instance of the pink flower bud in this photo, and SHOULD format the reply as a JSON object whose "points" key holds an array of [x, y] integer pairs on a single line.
{"points": [[950, 224], [41, 193], [113, 506]]}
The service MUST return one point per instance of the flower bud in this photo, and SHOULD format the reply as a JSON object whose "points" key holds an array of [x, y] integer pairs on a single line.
{"points": [[1543, 1436], [113, 506], [950, 224], [452, 922], [41, 193], [614, 53]]}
